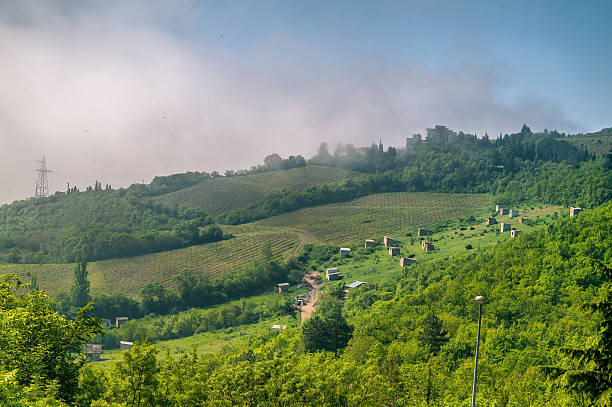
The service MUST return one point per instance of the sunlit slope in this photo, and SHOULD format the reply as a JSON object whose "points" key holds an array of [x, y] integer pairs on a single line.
{"points": [[131, 274], [224, 194], [379, 214]]}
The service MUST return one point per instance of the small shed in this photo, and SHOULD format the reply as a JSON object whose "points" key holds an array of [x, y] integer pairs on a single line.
{"points": [[92, 352], [394, 251], [504, 227], [283, 287], [355, 284], [498, 207], [108, 324], [422, 232], [575, 211], [125, 345], [389, 241], [515, 233], [332, 274], [277, 327], [406, 261], [427, 246], [513, 213], [369, 243], [503, 211], [120, 321], [491, 221], [345, 252]]}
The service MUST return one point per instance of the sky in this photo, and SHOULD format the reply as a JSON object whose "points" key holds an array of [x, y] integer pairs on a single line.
{"points": [[122, 91]]}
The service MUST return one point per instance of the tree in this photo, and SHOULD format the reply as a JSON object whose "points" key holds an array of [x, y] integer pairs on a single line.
{"points": [[591, 375], [134, 379], [433, 335], [79, 293], [327, 329], [41, 347]]}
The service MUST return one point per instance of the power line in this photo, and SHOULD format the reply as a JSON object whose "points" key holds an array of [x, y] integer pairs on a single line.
{"points": [[42, 183]]}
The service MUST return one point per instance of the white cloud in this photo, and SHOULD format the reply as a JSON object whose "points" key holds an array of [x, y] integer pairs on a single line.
{"points": [[105, 99]]}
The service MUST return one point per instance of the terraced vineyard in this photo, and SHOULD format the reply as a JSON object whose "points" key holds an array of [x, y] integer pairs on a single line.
{"points": [[221, 195], [375, 215], [130, 275]]}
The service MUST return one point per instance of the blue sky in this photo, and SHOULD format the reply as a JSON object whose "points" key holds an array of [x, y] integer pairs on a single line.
{"points": [[158, 87]]}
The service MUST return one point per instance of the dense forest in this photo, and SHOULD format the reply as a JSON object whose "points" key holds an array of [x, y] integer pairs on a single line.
{"points": [[545, 339]]}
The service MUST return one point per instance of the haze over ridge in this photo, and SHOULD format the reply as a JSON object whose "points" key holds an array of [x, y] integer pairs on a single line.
{"points": [[123, 92]]}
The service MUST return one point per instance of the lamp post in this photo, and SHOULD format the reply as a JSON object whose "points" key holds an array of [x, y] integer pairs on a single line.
{"points": [[480, 300]]}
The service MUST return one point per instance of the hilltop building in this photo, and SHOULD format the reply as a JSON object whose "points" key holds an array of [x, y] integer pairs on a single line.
{"points": [[513, 213], [504, 227], [515, 233], [491, 221], [283, 287], [413, 141], [120, 321], [332, 274], [369, 243], [441, 134], [427, 246], [125, 345], [345, 252], [422, 232]]}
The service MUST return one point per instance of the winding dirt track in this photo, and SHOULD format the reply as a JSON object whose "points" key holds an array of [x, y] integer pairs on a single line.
{"points": [[314, 279]]}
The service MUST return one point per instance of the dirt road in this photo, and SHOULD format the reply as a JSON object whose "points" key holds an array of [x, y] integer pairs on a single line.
{"points": [[314, 279]]}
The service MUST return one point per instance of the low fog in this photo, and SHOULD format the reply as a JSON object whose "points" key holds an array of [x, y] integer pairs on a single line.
{"points": [[107, 100]]}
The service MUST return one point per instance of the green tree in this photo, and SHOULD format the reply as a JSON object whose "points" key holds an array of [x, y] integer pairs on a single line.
{"points": [[327, 329], [134, 379], [79, 292], [433, 335], [591, 373], [41, 347]]}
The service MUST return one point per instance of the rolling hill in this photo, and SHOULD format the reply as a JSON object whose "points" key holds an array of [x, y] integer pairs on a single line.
{"points": [[220, 195], [375, 215]]}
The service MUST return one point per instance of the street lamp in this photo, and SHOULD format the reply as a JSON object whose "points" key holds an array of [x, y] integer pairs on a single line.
{"points": [[480, 300]]}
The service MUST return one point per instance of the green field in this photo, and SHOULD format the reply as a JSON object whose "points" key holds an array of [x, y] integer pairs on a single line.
{"points": [[131, 274], [376, 215], [224, 194]]}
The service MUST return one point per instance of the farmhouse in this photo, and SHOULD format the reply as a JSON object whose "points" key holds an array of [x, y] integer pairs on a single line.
{"points": [[427, 246], [498, 207], [369, 243], [332, 274], [421, 232], [92, 352], [120, 321], [491, 221], [394, 251], [389, 241], [345, 252], [575, 211], [513, 213], [277, 327], [406, 261], [355, 284], [503, 211], [125, 345], [515, 233], [504, 227], [283, 287]]}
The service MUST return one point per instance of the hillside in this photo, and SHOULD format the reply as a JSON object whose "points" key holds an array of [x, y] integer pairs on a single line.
{"points": [[379, 214], [129, 275], [598, 143], [223, 194]]}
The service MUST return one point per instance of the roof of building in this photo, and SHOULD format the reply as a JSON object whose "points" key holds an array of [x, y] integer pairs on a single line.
{"points": [[282, 284], [276, 326], [355, 284], [345, 248], [93, 348]]}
